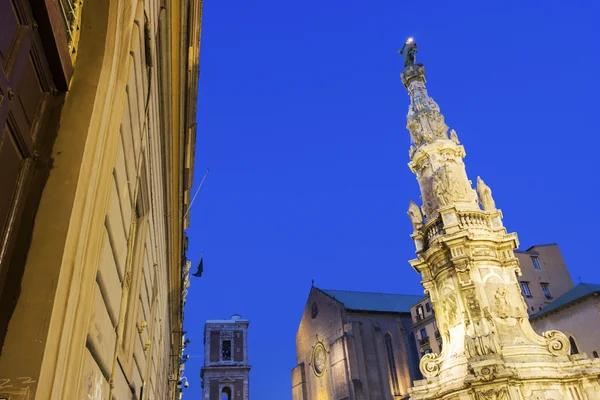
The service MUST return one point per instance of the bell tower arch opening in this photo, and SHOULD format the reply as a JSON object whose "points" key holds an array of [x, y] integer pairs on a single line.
{"points": [[226, 393]]}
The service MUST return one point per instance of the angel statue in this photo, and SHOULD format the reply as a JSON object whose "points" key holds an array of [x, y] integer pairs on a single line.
{"points": [[485, 195], [454, 137], [416, 216], [408, 51]]}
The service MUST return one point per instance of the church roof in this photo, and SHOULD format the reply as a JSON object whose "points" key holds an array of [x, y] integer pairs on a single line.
{"points": [[369, 301], [578, 292]]}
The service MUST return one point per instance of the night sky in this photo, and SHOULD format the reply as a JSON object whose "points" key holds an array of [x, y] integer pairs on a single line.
{"points": [[301, 120]]}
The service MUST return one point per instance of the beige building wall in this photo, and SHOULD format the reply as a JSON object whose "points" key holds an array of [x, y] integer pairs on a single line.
{"points": [[427, 335], [580, 321], [100, 312], [543, 265]]}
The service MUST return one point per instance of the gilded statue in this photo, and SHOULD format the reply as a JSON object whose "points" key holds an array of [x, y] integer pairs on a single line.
{"points": [[485, 195], [416, 216], [408, 52]]}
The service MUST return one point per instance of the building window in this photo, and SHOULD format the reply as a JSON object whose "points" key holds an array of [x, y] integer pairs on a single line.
{"points": [[226, 350], [525, 289], [420, 313], [546, 291], [392, 364], [424, 337], [427, 307], [536, 263], [595, 353], [574, 349]]}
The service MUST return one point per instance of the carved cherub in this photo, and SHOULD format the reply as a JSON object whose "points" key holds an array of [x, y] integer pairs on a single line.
{"points": [[485, 195], [416, 216], [454, 136]]}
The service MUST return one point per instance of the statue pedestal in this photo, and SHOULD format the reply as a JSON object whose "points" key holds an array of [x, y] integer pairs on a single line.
{"points": [[490, 351]]}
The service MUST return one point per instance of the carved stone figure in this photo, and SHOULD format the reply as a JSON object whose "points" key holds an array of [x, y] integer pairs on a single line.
{"points": [[454, 136], [412, 151], [408, 52], [493, 394], [450, 310], [485, 195], [502, 303], [416, 216]]}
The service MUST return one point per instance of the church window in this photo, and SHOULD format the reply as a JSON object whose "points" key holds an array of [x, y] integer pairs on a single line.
{"points": [[595, 353], [525, 289], [226, 350], [574, 349], [427, 307], [420, 313], [536, 263], [392, 364], [546, 290]]}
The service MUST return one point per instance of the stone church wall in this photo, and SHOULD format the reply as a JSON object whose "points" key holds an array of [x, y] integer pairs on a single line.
{"points": [[325, 327], [357, 364]]}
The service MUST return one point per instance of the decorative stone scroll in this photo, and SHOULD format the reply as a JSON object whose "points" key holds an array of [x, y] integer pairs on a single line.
{"points": [[430, 365], [557, 343]]}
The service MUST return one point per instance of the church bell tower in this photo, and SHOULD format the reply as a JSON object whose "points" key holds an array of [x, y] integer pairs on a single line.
{"points": [[466, 261], [226, 372]]}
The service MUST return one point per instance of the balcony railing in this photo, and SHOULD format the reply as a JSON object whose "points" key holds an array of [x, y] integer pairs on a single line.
{"points": [[424, 342]]}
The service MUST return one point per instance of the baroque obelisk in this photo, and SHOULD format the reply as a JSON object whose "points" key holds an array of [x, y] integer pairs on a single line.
{"points": [[468, 268]]}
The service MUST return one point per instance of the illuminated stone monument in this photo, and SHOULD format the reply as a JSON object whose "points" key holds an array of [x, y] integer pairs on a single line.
{"points": [[468, 268]]}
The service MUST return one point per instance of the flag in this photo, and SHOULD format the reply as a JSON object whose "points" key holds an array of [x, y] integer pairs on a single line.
{"points": [[200, 269]]}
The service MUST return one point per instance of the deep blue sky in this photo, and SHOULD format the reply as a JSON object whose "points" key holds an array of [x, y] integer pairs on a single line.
{"points": [[301, 120]]}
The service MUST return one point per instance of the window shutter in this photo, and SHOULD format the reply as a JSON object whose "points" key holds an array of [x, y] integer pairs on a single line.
{"points": [[215, 346], [238, 345]]}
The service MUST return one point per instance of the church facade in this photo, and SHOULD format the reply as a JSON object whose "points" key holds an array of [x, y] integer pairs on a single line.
{"points": [[355, 345]]}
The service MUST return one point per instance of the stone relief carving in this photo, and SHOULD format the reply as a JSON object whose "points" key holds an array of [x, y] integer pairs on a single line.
{"points": [[557, 343], [454, 137], [503, 308], [481, 345], [416, 216], [450, 309], [448, 187], [473, 303], [485, 195], [493, 394]]}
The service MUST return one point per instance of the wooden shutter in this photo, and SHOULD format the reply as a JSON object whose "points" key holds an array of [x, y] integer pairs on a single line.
{"points": [[215, 346], [238, 346], [214, 389], [238, 389]]}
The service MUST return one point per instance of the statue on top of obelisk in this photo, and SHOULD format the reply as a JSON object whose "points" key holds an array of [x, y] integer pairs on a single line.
{"points": [[408, 51], [468, 268]]}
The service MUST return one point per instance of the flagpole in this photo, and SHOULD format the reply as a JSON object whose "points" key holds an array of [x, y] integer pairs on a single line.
{"points": [[196, 194]]}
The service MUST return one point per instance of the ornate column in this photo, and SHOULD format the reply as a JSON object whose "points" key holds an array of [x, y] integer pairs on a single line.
{"points": [[466, 260]]}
